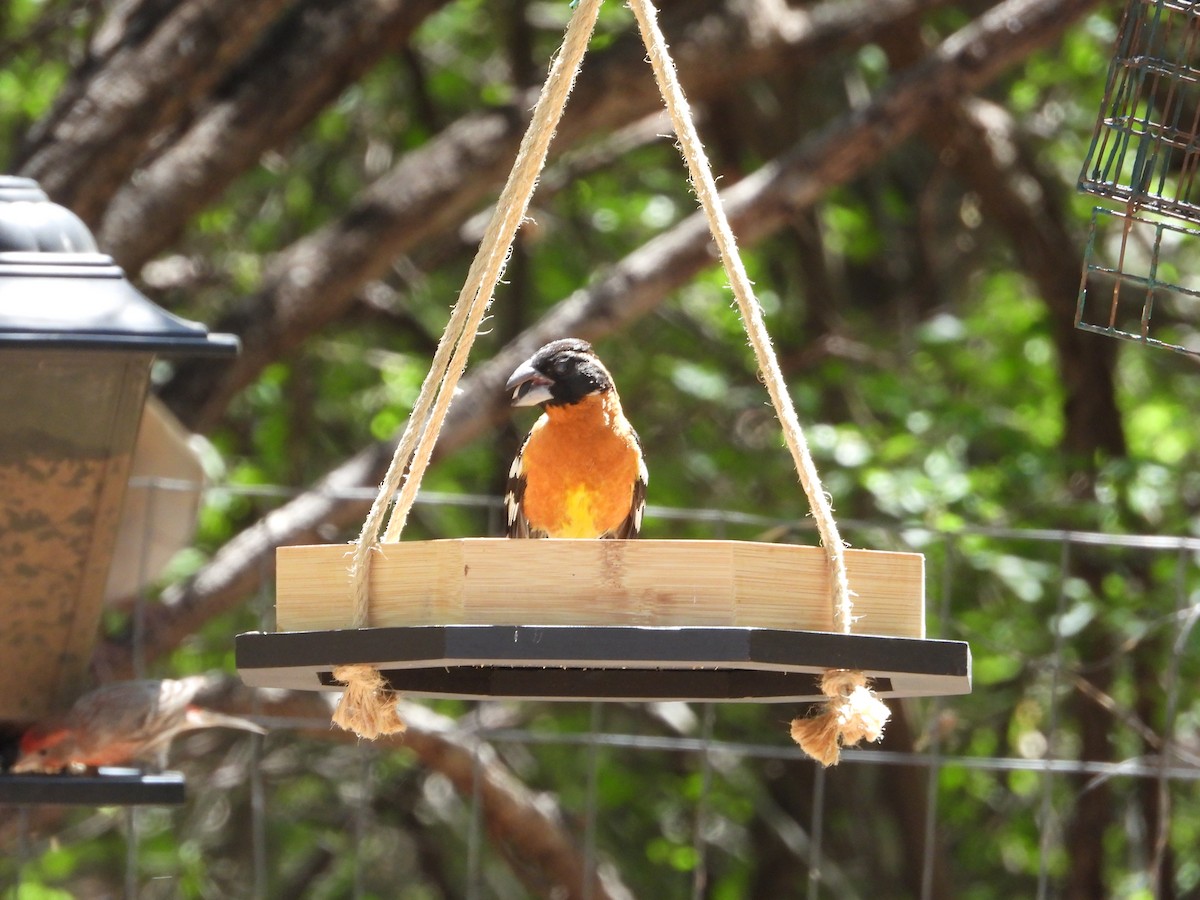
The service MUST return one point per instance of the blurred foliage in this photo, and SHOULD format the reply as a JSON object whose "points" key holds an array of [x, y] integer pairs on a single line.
{"points": [[924, 367]]}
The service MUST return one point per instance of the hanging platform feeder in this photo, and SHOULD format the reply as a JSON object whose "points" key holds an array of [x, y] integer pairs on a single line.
{"points": [[108, 787], [1130, 288], [616, 620], [600, 620]]}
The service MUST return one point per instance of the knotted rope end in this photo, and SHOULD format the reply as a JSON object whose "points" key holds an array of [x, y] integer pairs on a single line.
{"points": [[367, 706], [852, 713]]}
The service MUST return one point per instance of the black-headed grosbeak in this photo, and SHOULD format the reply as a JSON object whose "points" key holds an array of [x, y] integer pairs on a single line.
{"points": [[580, 472]]}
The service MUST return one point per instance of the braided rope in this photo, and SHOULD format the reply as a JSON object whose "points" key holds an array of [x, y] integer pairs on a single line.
{"points": [[848, 720]]}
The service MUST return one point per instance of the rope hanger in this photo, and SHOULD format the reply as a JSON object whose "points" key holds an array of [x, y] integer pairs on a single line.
{"points": [[367, 707]]}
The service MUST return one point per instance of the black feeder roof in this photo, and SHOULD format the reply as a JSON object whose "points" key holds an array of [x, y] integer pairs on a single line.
{"points": [[57, 291]]}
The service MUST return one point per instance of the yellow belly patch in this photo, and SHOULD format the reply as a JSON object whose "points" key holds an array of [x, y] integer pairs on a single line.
{"points": [[579, 518]]}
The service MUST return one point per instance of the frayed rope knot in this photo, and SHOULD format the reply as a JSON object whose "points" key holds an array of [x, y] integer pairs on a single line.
{"points": [[368, 706], [851, 714]]}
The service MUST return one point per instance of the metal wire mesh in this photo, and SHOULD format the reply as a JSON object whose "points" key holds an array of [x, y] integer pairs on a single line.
{"points": [[1134, 285], [1144, 151]]}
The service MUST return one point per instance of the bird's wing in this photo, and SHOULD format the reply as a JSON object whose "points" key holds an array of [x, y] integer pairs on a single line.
{"points": [[514, 496], [130, 706], [631, 527], [198, 717]]}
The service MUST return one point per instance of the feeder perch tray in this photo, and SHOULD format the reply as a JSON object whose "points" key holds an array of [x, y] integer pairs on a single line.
{"points": [[109, 787], [598, 662], [615, 620]]}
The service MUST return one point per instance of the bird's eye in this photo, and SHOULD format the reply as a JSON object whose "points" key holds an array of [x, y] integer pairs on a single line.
{"points": [[44, 751]]}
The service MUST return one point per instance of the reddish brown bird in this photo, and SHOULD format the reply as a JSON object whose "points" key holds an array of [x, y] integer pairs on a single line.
{"points": [[120, 723], [580, 472]]}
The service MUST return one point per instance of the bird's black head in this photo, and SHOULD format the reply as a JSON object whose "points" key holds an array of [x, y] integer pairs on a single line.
{"points": [[561, 372]]}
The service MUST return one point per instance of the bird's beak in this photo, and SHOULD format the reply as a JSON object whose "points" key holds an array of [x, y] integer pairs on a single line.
{"points": [[528, 386]]}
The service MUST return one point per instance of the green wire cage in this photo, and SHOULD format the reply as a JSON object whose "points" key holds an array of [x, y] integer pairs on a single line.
{"points": [[1143, 159]]}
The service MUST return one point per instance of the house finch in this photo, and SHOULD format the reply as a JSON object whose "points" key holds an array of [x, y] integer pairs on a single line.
{"points": [[119, 723]]}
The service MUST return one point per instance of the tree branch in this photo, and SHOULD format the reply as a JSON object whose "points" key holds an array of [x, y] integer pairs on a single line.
{"points": [[1025, 205], [101, 127], [527, 828], [296, 71]]}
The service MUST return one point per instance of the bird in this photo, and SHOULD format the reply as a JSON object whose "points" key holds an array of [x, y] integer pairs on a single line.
{"points": [[580, 472], [120, 723]]}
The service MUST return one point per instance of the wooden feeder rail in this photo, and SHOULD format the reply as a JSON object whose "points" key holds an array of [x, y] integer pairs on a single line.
{"points": [[496, 581]]}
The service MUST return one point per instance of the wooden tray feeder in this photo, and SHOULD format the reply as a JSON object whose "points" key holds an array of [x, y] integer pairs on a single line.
{"points": [[615, 620], [600, 620]]}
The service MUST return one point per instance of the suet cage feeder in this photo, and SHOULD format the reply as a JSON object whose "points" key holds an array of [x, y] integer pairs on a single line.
{"points": [[1144, 150], [77, 341], [1133, 287], [1143, 160]]}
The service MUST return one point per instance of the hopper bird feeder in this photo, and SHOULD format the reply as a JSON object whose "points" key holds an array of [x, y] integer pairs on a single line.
{"points": [[77, 341], [1143, 160], [566, 619]]}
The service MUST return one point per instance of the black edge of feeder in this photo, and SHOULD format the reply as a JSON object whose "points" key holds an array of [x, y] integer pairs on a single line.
{"points": [[632, 684], [611, 662], [109, 787]]}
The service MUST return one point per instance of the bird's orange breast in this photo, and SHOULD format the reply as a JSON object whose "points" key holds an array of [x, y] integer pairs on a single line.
{"points": [[580, 466]]}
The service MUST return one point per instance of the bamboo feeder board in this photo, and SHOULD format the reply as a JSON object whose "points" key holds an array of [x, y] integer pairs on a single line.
{"points": [[602, 620]]}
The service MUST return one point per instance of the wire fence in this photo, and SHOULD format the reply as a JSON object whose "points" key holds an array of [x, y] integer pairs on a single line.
{"points": [[1085, 694]]}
